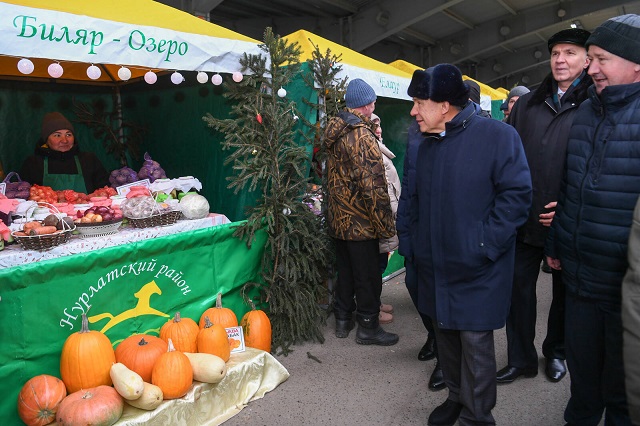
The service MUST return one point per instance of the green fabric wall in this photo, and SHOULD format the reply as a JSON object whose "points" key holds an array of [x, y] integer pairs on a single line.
{"points": [[24, 104], [177, 136], [395, 120]]}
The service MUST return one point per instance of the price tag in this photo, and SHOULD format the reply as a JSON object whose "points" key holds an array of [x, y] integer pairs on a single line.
{"points": [[236, 339], [3, 188]]}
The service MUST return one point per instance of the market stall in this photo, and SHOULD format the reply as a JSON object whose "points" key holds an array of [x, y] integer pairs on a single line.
{"points": [[45, 33], [124, 289]]}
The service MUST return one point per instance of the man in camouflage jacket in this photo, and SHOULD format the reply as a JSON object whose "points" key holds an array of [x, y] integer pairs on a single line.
{"points": [[359, 214]]}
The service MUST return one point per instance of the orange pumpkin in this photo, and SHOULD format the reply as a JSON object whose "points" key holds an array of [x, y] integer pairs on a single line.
{"points": [[39, 399], [213, 339], [86, 359], [172, 373], [182, 331], [139, 352], [219, 315], [94, 406], [256, 328]]}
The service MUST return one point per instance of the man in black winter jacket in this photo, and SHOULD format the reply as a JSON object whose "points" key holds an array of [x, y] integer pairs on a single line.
{"points": [[589, 236], [543, 118]]}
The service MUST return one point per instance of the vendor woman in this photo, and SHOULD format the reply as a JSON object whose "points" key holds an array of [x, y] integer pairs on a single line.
{"points": [[58, 162]]}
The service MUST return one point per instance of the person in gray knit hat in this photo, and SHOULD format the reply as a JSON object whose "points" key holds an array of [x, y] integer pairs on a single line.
{"points": [[512, 97], [472, 190], [359, 94], [589, 236], [358, 215]]}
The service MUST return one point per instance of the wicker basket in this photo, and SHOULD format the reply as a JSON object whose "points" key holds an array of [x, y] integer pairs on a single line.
{"points": [[101, 229], [162, 219], [47, 241]]}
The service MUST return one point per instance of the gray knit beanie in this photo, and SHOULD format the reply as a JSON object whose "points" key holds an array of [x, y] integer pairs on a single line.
{"points": [[359, 93], [619, 35]]}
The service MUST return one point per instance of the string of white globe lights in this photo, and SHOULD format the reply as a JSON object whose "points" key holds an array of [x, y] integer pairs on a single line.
{"points": [[55, 70]]}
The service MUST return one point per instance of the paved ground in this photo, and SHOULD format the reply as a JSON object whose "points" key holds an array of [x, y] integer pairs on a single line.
{"points": [[364, 385]]}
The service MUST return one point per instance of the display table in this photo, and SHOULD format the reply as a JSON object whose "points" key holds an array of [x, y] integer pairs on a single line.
{"points": [[250, 375], [133, 287], [15, 255]]}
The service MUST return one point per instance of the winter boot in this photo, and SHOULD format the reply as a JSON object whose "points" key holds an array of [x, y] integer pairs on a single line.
{"points": [[370, 333], [343, 327]]}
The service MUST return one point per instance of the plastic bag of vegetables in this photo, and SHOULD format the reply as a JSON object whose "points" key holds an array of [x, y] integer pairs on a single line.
{"points": [[139, 207], [18, 189], [151, 169], [122, 176]]}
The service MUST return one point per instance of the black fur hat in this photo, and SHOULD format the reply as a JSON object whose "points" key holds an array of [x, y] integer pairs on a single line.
{"points": [[419, 86], [447, 85]]}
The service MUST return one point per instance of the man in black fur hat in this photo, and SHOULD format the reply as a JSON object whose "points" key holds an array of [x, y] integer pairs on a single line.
{"points": [[472, 191], [543, 119]]}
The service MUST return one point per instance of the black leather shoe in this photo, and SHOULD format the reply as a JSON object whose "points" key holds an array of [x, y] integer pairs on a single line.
{"points": [[428, 350], [436, 381], [343, 327], [445, 414], [555, 369], [509, 373]]}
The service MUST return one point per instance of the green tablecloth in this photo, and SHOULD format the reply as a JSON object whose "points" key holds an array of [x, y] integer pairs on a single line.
{"points": [[132, 288]]}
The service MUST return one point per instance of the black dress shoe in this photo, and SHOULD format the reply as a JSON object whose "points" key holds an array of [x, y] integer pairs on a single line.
{"points": [[436, 381], [428, 350], [445, 414], [509, 373], [555, 369]]}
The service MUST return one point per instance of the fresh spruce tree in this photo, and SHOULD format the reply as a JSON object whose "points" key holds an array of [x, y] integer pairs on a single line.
{"points": [[323, 77], [265, 140]]}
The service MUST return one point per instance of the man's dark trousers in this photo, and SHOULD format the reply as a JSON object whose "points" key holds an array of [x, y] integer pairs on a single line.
{"points": [[521, 322]]}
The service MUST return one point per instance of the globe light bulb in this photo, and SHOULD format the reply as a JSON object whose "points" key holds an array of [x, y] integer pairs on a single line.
{"points": [[202, 77], [124, 73], [237, 76], [25, 66], [216, 79], [177, 78], [93, 72], [150, 77], [282, 92], [55, 70]]}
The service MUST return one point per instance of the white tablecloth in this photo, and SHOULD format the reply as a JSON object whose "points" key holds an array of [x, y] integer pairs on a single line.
{"points": [[15, 255]]}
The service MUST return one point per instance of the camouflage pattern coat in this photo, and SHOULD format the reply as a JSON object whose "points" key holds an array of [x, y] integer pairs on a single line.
{"points": [[359, 208]]}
